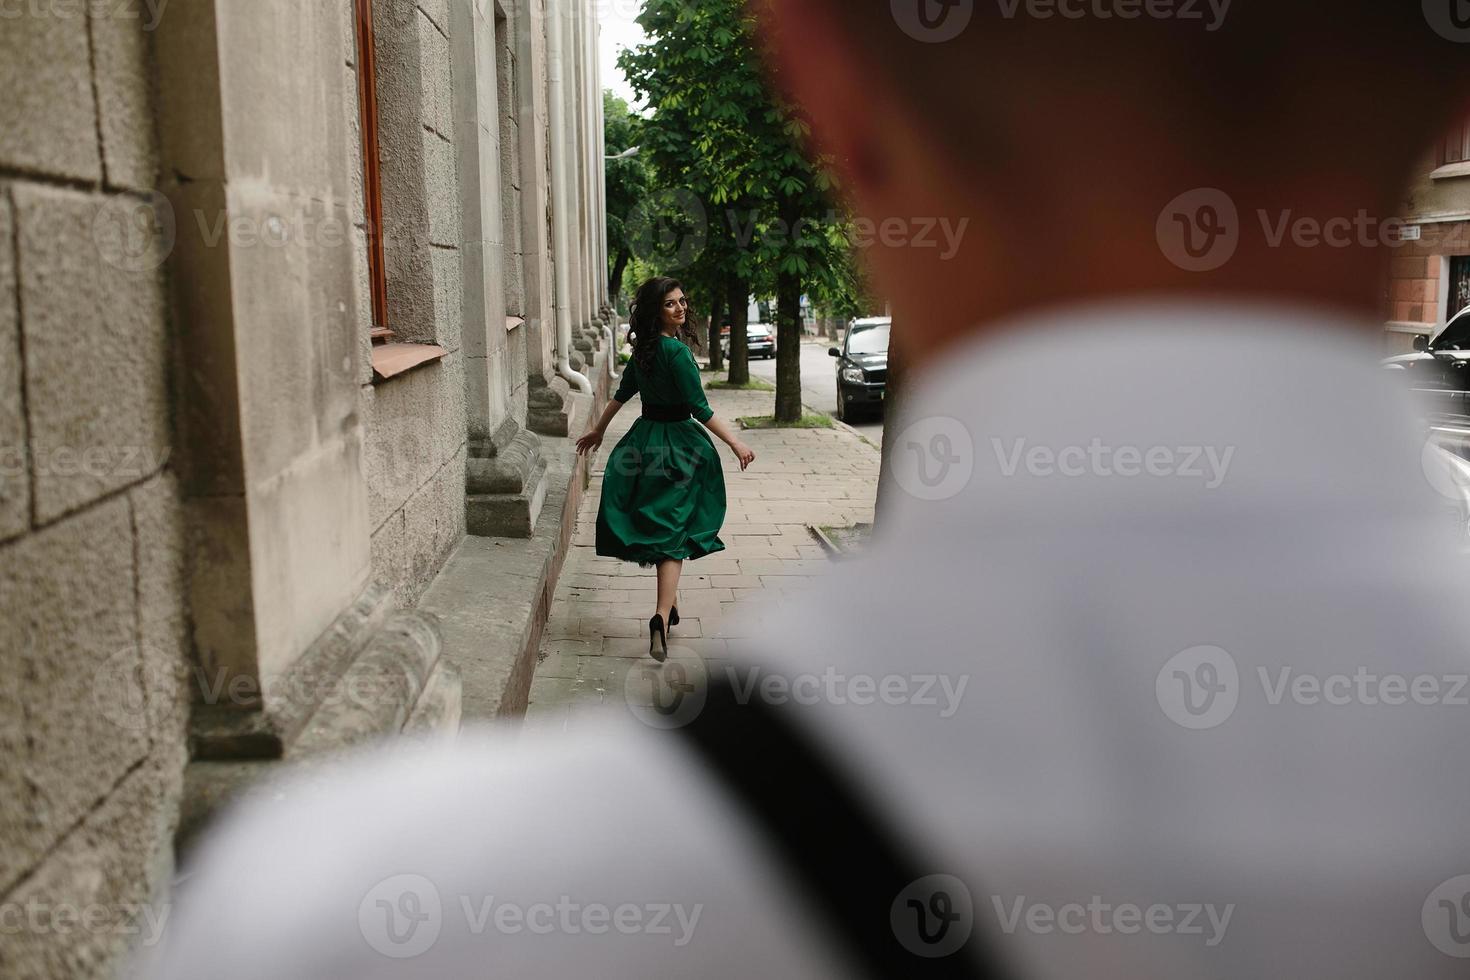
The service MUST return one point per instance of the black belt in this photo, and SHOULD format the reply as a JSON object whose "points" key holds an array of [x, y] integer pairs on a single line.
{"points": [[667, 413], [850, 863]]}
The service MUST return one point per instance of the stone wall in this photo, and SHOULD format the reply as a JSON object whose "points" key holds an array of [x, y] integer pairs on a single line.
{"points": [[92, 709], [214, 514], [416, 426]]}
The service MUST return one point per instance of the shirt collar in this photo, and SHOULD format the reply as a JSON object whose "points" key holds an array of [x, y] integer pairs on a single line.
{"points": [[1157, 411]]}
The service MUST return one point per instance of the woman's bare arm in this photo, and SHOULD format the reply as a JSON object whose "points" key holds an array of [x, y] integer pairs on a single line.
{"points": [[722, 430], [593, 439]]}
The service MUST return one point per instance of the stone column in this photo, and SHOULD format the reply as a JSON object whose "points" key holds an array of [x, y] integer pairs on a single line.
{"points": [[547, 401], [505, 474], [269, 414]]}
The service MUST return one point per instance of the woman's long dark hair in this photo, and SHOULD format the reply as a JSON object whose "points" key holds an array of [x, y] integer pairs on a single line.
{"points": [[646, 321]]}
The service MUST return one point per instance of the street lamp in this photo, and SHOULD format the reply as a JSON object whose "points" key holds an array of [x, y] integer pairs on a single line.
{"points": [[631, 151]]}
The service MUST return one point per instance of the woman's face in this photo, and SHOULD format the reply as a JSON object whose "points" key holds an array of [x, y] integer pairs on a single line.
{"points": [[675, 310]]}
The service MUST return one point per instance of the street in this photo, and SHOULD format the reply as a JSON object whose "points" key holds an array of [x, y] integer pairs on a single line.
{"points": [[819, 384]]}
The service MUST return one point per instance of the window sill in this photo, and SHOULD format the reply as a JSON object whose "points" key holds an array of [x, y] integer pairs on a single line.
{"points": [[391, 360], [1451, 170]]}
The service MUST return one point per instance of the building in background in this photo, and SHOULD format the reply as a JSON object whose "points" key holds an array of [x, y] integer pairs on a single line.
{"points": [[1429, 274], [300, 306]]}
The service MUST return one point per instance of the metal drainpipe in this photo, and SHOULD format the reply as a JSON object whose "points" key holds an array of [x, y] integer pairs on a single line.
{"points": [[561, 232]]}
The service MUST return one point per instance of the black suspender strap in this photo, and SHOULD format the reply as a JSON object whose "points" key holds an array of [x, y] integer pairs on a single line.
{"points": [[842, 857]]}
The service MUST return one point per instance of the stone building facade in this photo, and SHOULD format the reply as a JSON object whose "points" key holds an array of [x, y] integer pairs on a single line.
{"points": [[1429, 273], [276, 474]]}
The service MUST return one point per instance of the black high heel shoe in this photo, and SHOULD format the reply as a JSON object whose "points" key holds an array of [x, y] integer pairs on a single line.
{"points": [[658, 642], [673, 617]]}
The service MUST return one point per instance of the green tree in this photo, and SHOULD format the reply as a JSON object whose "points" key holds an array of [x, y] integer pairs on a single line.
{"points": [[843, 292], [718, 132]]}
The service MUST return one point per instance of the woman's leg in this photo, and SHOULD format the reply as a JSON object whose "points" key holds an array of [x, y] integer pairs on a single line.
{"points": [[668, 585]]}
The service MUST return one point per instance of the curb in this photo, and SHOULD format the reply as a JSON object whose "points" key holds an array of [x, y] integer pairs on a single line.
{"points": [[827, 543], [837, 423]]}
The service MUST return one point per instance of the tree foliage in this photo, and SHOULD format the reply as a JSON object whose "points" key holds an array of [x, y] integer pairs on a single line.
{"points": [[717, 133], [629, 181]]}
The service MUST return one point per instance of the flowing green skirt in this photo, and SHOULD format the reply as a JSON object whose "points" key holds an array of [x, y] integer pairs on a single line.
{"points": [[663, 494]]}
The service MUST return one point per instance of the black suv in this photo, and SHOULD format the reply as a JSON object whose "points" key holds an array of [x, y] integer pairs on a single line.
{"points": [[862, 367], [1438, 372]]}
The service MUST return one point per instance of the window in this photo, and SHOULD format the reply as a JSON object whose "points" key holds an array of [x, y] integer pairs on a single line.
{"points": [[1459, 292], [389, 358], [868, 339], [372, 174]]}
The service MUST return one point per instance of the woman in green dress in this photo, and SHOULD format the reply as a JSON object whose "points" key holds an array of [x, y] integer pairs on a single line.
{"points": [[663, 492]]}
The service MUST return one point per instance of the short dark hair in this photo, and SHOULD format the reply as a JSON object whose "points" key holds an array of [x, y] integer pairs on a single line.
{"points": [[1271, 77]]}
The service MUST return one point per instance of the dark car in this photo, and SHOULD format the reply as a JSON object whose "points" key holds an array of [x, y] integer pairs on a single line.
{"points": [[1438, 372], [759, 339], [862, 367]]}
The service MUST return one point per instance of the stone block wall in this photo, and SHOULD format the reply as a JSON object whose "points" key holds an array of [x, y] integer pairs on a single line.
{"points": [[93, 708], [200, 477], [416, 430]]}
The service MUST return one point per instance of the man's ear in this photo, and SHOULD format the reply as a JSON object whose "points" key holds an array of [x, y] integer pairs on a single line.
{"points": [[814, 64]]}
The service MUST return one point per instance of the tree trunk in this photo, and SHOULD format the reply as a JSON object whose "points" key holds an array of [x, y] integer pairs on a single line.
{"points": [[788, 329], [716, 320], [739, 299], [615, 281], [788, 347]]}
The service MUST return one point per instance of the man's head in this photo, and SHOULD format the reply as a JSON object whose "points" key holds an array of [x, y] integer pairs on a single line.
{"points": [[1097, 147]]}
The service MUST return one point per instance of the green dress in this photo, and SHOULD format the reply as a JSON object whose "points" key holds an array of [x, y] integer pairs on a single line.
{"points": [[663, 492]]}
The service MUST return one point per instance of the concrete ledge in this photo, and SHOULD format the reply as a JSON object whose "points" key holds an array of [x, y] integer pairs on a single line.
{"points": [[493, 596]]}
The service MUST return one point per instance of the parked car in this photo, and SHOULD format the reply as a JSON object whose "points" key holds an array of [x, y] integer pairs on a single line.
{"points": [[862, 367], [1438, 372], [760, 341]]}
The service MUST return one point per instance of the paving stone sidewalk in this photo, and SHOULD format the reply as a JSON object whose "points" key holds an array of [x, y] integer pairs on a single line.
{"points": [[598, 628]]}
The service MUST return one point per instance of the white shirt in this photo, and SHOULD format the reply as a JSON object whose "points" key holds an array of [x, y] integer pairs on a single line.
{"points": [[1189, 626]]}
